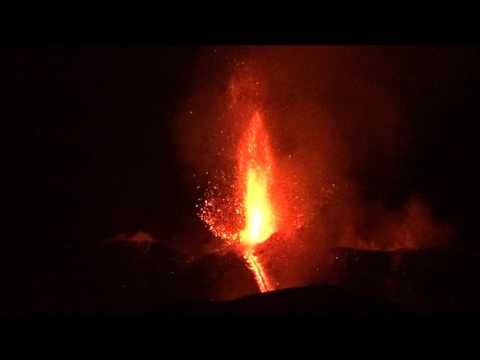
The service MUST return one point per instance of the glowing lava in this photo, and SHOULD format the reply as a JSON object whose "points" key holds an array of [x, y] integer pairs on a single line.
{"points": [[255, 175], [257, 269], [251, 201]]}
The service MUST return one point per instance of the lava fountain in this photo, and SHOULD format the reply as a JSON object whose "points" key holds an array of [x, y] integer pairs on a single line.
{"points": [[255, 177], [255, 217]]}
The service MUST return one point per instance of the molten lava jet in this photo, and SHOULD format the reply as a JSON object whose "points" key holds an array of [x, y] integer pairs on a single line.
{"points": [[253, 203], [255, 176]]}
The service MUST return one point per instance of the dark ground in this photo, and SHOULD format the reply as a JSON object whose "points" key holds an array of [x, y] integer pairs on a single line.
{"points": [[131, 279]]}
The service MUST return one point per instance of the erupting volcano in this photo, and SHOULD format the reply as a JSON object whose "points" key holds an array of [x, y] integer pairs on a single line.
{"points": [[252, 198]]}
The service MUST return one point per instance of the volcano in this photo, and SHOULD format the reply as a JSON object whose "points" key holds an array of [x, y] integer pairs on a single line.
{"points": [[257, 179]]}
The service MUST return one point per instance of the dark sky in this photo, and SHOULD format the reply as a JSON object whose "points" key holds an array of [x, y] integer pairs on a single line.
{"points": [[100, 158], [95, 155]]}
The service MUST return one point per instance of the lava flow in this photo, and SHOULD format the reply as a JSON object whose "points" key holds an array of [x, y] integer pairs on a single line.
{"points": [[252, 200], [257, 269]]}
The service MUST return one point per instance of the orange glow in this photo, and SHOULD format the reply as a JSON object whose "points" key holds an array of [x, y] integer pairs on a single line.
{"points": [[257, 269], [259, 216], [256, 173], [247, 217]]}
